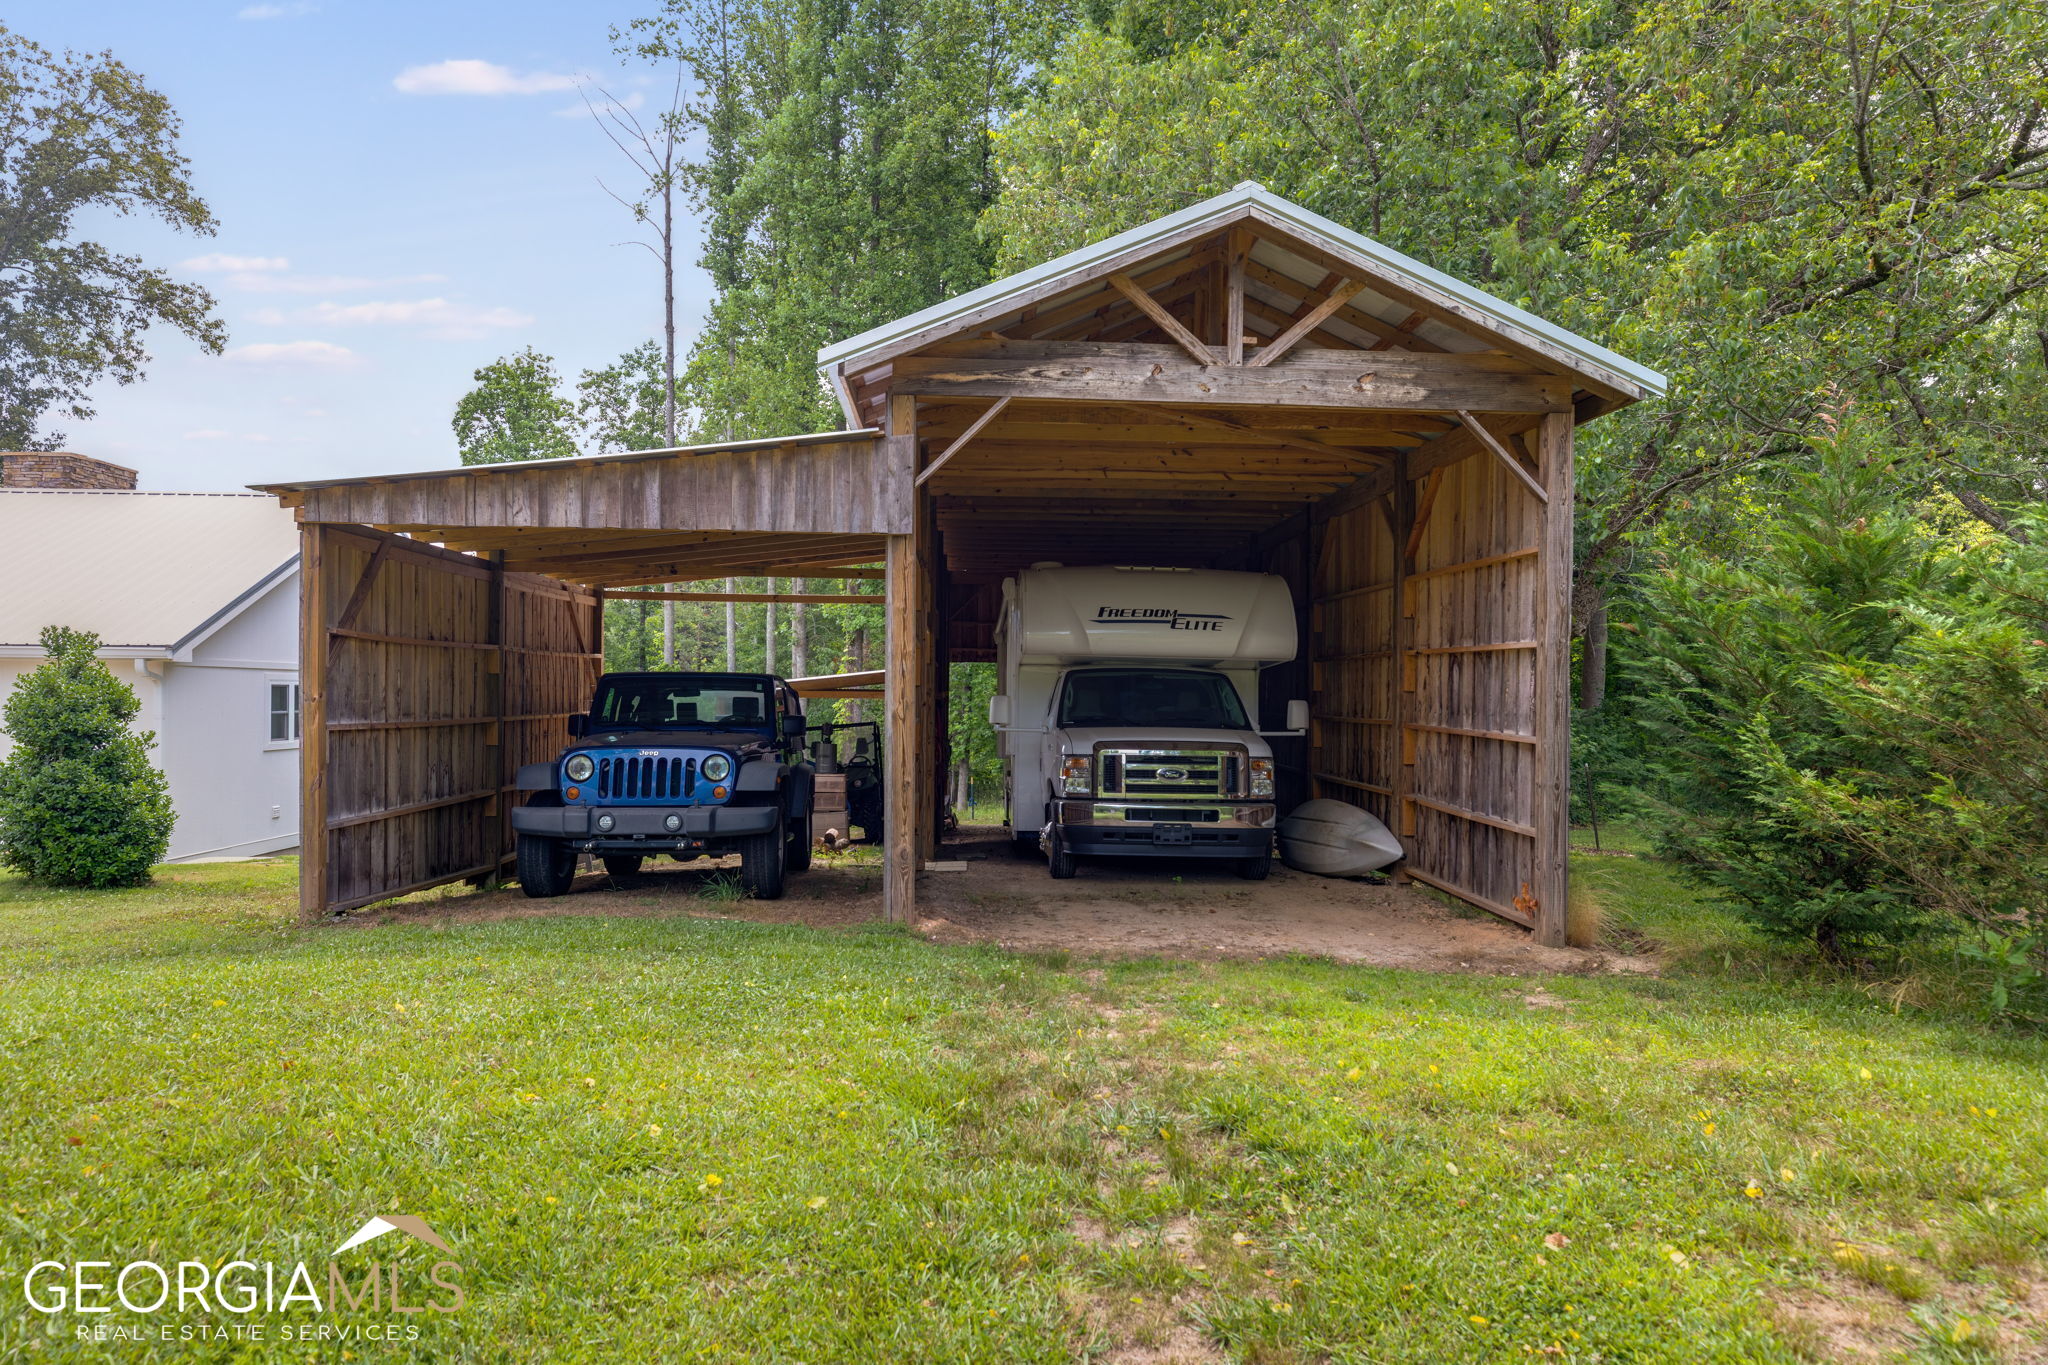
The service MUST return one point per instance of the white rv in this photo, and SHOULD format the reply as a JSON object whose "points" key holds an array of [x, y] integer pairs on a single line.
{"points": [[1129, 710]]}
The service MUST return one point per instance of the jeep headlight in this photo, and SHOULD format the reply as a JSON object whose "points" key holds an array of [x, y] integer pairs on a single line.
{"points": [[1074, 776], [717, 768], [578, 768], [1262, 777]]}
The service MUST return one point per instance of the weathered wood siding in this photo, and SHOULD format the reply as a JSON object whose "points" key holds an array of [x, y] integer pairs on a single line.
{"points": [[1426, 679], [843, 486], [428, 677]]}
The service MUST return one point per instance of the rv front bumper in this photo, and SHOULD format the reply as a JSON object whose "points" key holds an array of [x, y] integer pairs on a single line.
{"points": [[1138, 829]]}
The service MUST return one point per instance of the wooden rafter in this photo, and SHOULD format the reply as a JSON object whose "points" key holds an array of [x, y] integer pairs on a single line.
{"points": [[1341, 293], [1236, 255], [1504, 455], [1277, 438], [994, 410], [1197, 350]]}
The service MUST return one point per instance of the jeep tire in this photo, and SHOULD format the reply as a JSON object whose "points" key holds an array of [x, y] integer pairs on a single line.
{"points": [[546, 867], [762, 863], [798, 845]]}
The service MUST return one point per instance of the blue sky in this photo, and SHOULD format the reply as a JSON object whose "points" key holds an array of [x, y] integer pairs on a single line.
{"points": [[405, 192]]}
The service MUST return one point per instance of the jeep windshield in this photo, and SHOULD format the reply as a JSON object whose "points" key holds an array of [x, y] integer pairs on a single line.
{"points": [[683, 701], [1151, 697]]}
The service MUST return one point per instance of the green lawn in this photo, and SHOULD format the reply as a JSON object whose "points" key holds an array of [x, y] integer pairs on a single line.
{"points": [[702, 1138]]}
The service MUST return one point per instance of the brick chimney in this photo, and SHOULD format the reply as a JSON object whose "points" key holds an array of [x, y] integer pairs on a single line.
{"points": [[61, 469]]}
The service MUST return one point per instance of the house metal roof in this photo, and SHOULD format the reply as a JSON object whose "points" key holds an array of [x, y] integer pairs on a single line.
{"points": [[143, 571], [1248, 199]]}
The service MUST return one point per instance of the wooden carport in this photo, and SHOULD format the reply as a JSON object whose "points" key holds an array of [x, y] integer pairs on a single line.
{"points": [[1239, 385]]}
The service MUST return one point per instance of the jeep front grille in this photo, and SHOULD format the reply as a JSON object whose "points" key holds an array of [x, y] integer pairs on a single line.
{"points": [[1150, 773], [646, 779]]}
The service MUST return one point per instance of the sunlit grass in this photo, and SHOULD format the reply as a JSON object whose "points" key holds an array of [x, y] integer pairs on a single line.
{"points": [[692, 1137]]}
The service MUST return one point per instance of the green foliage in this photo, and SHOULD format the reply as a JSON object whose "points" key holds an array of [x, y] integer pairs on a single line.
{"points": [[1724, 671], [623, 405], [845, 162], [82, 136], [515, 412], [1772, 200], [1958, 808], [79, 803]]}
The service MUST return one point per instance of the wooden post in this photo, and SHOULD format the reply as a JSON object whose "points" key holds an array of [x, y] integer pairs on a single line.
{"points": [[1552, 796], [905, 667], [938, 739], [1402, 657], [313, 840]]}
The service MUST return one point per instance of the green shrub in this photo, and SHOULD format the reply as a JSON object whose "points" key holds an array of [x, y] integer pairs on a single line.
{"points": [[80, 804], [1724, 681]]}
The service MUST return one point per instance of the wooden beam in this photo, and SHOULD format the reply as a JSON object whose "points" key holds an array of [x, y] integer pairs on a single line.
{"points": [[1340, 294], [1401, 632], [776, 597], [1392, 381], [1552, 795], [901, 750], [1501, 453], [314, 843], [1281, 438], [1235, 256], [872, 678], [1434, 482], [1197, 350], [994, 410]]}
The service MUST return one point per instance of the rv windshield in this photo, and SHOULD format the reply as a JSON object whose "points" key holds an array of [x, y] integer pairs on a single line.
{"points": [[683, 701], [1151, 697]]}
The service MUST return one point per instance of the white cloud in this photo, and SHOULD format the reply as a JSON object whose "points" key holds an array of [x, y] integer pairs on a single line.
{"points": [[472, 77], [256, 283], [291, 10], [314, 355], [216, 261], [599, 108], [439, 318]]}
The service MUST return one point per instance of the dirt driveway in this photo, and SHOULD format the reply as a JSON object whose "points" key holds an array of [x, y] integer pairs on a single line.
{"points": [[1190, 909]]}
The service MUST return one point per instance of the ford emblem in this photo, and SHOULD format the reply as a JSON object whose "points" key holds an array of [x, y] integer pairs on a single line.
{"points": [[1173, 774]]}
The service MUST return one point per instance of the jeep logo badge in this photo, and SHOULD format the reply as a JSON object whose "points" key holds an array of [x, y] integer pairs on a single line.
{"points": [[1173, 774]]}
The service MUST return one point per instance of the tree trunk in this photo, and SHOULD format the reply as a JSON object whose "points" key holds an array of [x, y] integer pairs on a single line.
{"points": [[732, 634], [768, 634], [857, 653], [799, 634], [1593, 661]]}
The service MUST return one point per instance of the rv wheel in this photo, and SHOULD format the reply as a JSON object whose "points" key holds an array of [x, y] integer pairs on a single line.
{"points": [[1255, 869], [1059, 859]]}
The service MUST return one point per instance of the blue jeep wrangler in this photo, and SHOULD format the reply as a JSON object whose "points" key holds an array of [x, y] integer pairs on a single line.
{"points": [[686, 764]]}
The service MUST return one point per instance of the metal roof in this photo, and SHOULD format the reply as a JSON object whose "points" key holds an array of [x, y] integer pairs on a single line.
{"points": [[140, 570], [565, 461], [1237, 202]]}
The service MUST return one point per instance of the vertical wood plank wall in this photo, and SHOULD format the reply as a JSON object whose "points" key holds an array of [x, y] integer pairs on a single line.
{"points": [[1428, 671], [429, 677]]}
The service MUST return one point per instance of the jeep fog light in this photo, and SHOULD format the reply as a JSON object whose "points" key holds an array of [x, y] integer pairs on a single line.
{"points": [[1074, 776], [605, 822], [672, 823], [1262, 777]]}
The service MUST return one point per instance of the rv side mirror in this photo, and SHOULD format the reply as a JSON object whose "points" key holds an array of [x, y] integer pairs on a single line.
{"points": [[579, 725], [1297, 715], [999, 710]]}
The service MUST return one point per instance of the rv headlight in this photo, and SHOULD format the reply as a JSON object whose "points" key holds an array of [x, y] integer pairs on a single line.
{"points": [[1262, 777], [578, 768], [1074, 776], [716, 768]]}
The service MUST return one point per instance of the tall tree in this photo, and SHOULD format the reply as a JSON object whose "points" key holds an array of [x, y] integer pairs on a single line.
{"points": [[83, 135], [845, 162], [515, 412], [1774, 201], [624, 405]]}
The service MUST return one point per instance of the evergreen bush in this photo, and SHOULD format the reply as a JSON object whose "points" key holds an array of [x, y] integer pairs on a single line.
{"points": [[80, 804]]}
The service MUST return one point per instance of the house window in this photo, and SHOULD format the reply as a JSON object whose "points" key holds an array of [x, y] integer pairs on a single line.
{"points": [[284, 713]]}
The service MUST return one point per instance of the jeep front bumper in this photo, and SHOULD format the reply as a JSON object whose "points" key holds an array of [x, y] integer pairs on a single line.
{"points": [[645, 825]]}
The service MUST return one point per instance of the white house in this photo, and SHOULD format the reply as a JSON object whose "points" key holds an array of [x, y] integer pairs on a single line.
{"points": [[195, 599]]}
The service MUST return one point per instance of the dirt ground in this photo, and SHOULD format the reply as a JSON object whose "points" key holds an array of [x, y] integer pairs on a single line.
{"points": [[1116, 907]]}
